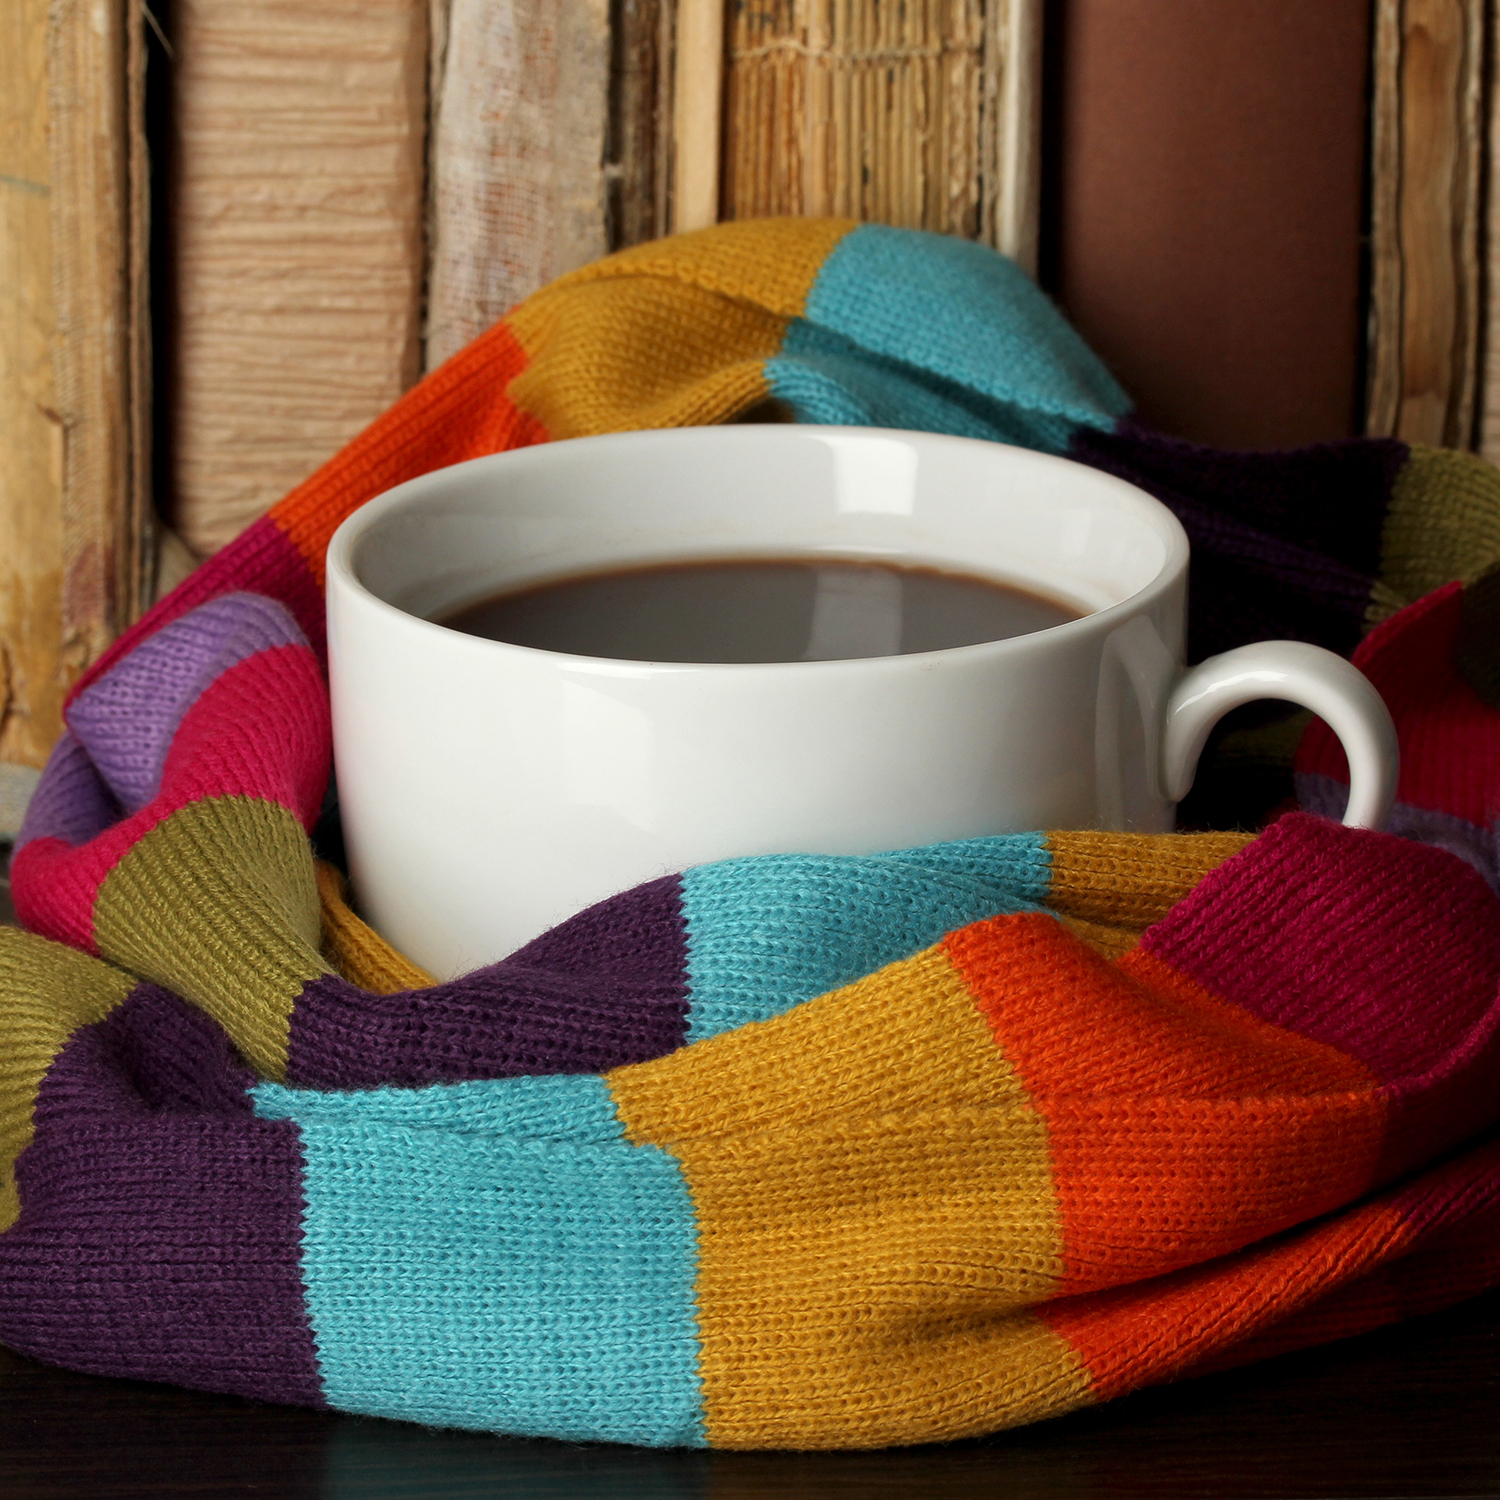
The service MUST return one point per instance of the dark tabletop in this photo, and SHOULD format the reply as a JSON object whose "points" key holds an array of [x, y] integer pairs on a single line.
{"points": [[1412, 1411]]}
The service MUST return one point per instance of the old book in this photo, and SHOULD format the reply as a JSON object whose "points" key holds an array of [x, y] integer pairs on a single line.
{"points": [[297, 230], [1425, 211], [923, 114], [638, 138], [77, 538], [31, 677], [518, 192]]}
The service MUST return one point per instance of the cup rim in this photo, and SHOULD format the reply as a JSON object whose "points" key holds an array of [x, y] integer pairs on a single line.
{"points": [[340, 574]]}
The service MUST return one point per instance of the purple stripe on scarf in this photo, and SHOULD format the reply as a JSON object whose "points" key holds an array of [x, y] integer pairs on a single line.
{"points": [[126, 720], [605, 988], [161, 1221], [71, 801], [1284, 544]]}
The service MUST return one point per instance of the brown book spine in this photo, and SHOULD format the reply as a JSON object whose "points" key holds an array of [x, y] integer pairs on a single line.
{"points": [[102, 337], [31, 432], [1426, 149], [1208, 167], [77, 538]]}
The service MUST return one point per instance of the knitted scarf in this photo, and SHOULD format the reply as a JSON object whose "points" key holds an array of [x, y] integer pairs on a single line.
{"points": [[791, 1151]]}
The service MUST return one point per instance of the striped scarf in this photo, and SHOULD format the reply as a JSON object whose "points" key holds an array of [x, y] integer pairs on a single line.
{"points": [[787, 1151]]}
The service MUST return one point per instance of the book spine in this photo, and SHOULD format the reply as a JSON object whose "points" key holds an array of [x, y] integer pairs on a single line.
{"points": [[922, 115], [1207, 172], [1426, 150], [637, 167], [98, 280], [298, 242], [518, 186], [77, 536], [31, 432]]}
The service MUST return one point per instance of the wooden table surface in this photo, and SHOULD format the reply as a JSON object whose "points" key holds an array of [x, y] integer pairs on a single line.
{"points": [[1411, 1411]]}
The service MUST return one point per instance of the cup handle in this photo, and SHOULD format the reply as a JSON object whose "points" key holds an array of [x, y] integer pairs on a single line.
{"points": [[1337, 692]]}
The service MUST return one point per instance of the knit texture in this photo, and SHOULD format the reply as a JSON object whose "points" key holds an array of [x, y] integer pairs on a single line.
{"points": [[792, 1151]]}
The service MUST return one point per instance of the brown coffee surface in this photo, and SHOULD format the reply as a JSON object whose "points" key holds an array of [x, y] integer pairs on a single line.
{"points": [[759, 610]]}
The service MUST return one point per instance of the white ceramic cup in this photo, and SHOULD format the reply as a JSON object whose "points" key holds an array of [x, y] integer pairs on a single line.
{"points": [[489, 791]]}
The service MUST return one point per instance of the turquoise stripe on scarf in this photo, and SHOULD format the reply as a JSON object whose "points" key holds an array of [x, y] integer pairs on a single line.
{"points": [[906, 329], [462, 1271], [550, 1107], [767, 933]]}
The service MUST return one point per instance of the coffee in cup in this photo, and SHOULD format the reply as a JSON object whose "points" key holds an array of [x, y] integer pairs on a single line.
{"points": [[760, 610]]}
